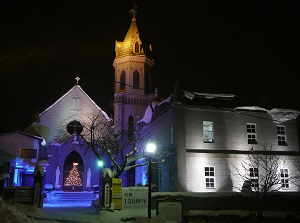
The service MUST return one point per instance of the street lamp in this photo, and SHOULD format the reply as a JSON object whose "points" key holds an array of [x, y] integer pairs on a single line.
{"points": [[100, 164], [150, 149]]}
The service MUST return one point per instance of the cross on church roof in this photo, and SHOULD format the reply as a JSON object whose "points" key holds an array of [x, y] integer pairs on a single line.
{"points": [[133, 11], [77, 79]]}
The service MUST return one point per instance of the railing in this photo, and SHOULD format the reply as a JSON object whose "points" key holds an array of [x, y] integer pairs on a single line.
{"points": [[21, 194]]}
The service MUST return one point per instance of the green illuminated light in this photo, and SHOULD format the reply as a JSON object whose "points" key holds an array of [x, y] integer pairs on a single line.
{"points": [[100, 163]]}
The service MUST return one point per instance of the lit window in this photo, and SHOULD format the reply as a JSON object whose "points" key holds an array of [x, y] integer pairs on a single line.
{"points": [[208, 134], [284, 174], [254, 178], [251, 133], [281, 135], [209, 177]]}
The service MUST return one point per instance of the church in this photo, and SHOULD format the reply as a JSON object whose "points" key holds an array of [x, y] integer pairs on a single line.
{"points": [[53, 141], [203, 138]]}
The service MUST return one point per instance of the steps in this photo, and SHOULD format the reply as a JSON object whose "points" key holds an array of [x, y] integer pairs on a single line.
{"points": [[60, 196]]}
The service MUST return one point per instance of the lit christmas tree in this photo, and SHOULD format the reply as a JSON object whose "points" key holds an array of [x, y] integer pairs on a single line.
{"points": [[74, 178]]}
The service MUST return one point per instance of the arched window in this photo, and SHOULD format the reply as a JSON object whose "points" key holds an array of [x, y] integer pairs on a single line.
{"points": [[131, 128], [122, 80], [74, 126], [136, 47], [136, 80]]}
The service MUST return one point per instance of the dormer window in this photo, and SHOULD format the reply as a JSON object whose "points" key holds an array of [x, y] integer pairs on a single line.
{"points": [[136, 47]]}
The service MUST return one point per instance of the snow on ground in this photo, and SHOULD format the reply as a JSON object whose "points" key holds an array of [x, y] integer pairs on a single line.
{"points": [[78, 213], [83, 212]]}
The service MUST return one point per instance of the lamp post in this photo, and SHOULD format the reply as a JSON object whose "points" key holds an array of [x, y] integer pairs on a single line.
{"points": [[100, 164], [150, 149]]}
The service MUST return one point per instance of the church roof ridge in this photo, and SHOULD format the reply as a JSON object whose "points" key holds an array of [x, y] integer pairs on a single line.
{"points": [[77, 86]]}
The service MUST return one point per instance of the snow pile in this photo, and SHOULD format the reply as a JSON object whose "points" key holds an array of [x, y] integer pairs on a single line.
{"points": [[283, 115], [9, 214], [149, 111], [278, 114]]}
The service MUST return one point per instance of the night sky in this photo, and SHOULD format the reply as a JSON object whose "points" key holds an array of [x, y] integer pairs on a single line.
{"points": [[246, 48]]}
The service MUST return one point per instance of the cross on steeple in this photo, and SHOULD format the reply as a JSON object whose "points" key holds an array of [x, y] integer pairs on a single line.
{"points": [[133, 11], [77, 79]]}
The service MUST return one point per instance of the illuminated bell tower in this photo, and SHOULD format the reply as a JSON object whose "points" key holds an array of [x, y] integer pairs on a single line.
{"points": [[132, 89]]}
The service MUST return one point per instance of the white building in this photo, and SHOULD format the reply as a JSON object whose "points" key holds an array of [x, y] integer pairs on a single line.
{"points": [[208, 137]]}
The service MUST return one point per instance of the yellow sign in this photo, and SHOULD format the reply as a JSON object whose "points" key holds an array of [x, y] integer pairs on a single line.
{"points": [[117, 193]]}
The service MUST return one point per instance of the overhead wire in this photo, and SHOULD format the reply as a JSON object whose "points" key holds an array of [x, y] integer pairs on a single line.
{"points": [[103, 77]]}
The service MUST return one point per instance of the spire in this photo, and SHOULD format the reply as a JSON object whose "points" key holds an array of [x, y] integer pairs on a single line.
{"points": [[132, 43]]}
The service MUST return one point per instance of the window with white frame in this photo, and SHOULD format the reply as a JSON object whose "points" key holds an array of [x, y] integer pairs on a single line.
{"points": [[208, 131], [284, 174], [281, 135], [209, 172], [251, 133], [254, 178]]}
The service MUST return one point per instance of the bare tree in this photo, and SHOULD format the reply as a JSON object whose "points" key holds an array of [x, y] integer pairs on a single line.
{"points": [[260, 174], [295, 176], [120, 144]]}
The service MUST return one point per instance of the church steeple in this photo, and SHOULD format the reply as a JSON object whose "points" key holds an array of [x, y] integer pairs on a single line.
{"points": [[133, 85], [132, 44], [132, 66]]}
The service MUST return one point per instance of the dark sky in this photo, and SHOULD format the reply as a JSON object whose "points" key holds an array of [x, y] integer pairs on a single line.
{"points": [[247, 48]]}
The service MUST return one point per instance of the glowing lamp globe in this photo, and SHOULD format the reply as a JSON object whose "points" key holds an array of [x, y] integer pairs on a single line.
{"points": [[150, 147], [100, 163]]}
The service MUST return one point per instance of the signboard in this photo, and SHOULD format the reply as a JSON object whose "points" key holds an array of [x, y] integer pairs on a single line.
{"points": [[106, 195], [117, 193], [134, 197]]}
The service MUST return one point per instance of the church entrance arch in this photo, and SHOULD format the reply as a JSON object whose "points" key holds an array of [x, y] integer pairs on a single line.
{"points": [[73, 173]]}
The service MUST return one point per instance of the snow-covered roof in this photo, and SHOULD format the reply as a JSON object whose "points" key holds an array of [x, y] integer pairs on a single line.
{"points": [[283, 115], [251, 108], [148, 113], [23, 133], [278, 114], [191, 95]]}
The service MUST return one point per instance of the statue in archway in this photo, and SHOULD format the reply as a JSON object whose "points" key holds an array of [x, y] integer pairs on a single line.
{"points": [[57, 174], [88, 179]]}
